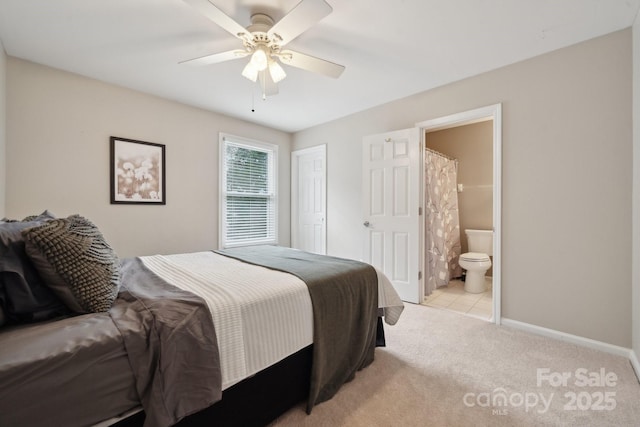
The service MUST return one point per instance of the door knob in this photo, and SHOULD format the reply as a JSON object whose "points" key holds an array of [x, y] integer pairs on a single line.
{"points": [[366, 223]]}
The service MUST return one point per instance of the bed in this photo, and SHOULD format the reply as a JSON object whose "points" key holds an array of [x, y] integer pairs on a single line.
{"points": [[236, 337]]}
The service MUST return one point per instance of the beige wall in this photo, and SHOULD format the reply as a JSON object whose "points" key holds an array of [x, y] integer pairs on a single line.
{"points": [[566, 205], [58, 146], [3, 127], [472, 146]]}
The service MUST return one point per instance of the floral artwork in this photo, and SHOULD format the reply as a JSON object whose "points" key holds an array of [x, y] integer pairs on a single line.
{"points": [[137, 172]]}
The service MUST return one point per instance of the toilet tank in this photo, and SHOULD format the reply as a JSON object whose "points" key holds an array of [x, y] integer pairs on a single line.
{"points": [[480, 241]]}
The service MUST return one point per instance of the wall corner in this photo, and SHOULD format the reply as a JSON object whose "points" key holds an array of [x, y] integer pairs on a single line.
{"points": [[635, 197]]}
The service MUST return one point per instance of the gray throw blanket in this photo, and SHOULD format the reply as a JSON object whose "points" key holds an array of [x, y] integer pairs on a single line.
{"points": [[171, 344], [344, 294]]}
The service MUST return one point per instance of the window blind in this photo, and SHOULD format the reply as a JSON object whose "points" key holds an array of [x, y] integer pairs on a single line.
{"points": [[249, 204]]}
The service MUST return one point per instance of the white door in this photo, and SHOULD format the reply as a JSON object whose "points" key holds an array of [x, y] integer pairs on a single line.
{"points": [[391, 199], [309, 199]]}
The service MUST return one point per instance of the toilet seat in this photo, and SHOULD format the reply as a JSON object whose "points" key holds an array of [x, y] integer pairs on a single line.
{"points": [[475, 257], [476, 264]]}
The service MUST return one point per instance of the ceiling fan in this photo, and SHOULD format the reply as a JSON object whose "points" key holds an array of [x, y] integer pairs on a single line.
{"points": [[264, 41]]}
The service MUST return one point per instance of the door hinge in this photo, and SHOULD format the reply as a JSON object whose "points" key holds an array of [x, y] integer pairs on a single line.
{"points": [[419, 275], [420, 211]]}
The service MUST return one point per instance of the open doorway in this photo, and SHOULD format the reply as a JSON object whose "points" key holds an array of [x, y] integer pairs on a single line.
{"points": [[459, 217], [471, 143]]}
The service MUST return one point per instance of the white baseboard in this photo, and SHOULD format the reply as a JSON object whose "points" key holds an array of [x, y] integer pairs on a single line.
{"points": [[633, 358], [575, 339]]}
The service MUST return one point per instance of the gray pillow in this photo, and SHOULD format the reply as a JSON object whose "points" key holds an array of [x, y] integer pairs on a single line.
{"points": [[23, 294], [76, 262]]}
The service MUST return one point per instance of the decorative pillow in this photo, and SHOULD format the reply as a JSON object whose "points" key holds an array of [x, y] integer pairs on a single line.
{"points": [[44, 216], [23, 294], [76, 262]]}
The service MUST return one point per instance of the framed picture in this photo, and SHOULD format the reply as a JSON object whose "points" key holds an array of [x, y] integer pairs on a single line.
{"points": [[137, 172]]}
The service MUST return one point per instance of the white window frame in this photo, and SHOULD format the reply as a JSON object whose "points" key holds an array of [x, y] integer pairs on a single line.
{"points": [[272, 149]]}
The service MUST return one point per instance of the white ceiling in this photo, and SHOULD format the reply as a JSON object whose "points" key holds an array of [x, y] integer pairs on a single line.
{"points": [[391, 48]]}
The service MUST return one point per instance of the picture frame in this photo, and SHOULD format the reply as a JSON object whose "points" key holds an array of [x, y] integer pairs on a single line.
{"points": [[138, 172]]}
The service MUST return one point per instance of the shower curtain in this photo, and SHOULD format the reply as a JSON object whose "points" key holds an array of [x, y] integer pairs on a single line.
{"points": [[442, 221]]}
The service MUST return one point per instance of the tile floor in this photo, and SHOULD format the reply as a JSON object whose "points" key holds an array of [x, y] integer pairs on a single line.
{"points": [[454, 298]]}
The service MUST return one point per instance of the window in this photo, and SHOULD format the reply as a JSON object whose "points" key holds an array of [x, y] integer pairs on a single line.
{"points": [[248, 192]]}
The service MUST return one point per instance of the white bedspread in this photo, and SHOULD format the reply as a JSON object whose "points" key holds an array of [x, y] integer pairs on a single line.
{"points": [[261, 315]]}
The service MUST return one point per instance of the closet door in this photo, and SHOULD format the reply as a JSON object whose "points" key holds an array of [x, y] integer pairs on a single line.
{"points": [[391, 200], [309, 199]]}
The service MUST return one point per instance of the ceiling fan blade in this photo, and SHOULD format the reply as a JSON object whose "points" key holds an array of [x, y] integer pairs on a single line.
{"points": [[216, 57], [311, 63], [212, 12], [299, 19], [266, 83]]}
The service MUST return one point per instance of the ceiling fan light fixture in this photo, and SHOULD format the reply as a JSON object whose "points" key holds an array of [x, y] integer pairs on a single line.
{"points": [[250, 72], [277, 73], [260, 59]]}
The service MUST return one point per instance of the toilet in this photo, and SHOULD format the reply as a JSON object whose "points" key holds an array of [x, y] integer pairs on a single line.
{"points": [[477, 260]]}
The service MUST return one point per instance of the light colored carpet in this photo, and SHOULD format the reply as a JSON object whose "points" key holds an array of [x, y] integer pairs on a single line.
{"points": [[434, 358]]}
